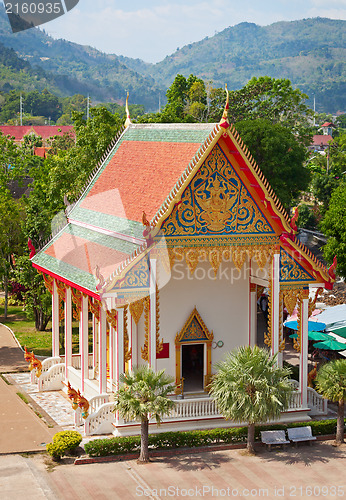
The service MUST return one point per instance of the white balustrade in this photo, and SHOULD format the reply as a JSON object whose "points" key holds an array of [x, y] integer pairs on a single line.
{"points": [[318, 405], [97, 401], [100, 422], [193, 408], [52, 379], [49, 362], [295, 401]]}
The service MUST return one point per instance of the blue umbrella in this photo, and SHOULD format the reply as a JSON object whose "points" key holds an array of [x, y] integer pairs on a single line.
{"points": [[314, 326]]}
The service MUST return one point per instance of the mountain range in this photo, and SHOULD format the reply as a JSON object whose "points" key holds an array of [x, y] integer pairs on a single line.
{"points": [[310, 52]]}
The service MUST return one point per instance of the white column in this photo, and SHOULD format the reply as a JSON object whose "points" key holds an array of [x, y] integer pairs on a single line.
{"points": [[68, 330], [303, 362], [252, 314], [112, 353], [83, 341], [102, 351], [133, 342], [152, 330], [119, 362], [275, 302], [55, 321], [95, 339]]}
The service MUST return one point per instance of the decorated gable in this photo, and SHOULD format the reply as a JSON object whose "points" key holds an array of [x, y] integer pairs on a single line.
{"points": [[216, 202], [292, 271]]}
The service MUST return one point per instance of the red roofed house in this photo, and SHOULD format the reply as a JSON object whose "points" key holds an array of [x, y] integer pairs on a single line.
{"points": [[164, 257], [45, 131]]}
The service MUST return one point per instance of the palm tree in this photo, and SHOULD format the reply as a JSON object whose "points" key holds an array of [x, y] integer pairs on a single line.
{"points": [[250, 387], [144, 395], [331, 383]]}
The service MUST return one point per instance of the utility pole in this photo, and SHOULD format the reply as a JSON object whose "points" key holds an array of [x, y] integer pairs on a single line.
{"points": [[21, 109], [314, 110]]}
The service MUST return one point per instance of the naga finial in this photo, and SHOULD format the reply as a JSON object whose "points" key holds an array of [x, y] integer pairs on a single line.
{"points": [[224, 120], [31, 248], [128, 118], [293, 221], [332, 269], [83, 405]]}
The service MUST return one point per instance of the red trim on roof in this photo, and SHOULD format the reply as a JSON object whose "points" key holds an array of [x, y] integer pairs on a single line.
{"points": [[67, 282]]}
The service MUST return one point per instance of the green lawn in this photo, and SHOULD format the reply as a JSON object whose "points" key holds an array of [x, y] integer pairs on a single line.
{"points": [[39, 342]]}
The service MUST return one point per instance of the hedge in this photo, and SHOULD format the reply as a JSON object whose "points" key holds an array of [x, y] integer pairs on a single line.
{"points": [[190, 439]]}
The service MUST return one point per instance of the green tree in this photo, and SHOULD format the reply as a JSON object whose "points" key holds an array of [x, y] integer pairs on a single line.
{"points": [[280, 156], [331, 383], [144, 395], [249, 387], [37, 300], [334, 226], [11, 236]]}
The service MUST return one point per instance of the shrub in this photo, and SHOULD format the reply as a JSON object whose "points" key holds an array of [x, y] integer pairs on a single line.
{"points": [[63, 442], [171, 440]]}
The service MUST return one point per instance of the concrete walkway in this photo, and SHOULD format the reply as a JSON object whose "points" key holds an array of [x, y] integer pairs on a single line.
{"points": [[306, 472], [21, 429]]}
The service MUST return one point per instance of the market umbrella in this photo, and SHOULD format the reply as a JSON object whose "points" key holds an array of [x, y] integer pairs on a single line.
{"points": [[330, 345], [316, 336], [314, 326]]}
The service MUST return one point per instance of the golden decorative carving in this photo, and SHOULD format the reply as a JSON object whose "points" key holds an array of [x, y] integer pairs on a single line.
{"points": [[112, 318], [48, 282], [159, 343], [145, 349], [282, 343], [94, 307], [297, 341], [253, 287], [215, 259], [191, 257], [127, 351], [72, 394], [61, 288], [291, 296], [217, 207], [77, 301], [239, 256], [136, 309], [83, 404], [268, 334], [35, 364]]}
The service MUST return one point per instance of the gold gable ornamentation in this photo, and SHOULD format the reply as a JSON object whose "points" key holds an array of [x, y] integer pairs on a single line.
{"points": [[127, 351], [216, 202]]}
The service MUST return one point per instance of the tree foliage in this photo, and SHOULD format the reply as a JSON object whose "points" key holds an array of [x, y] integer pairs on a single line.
{"points": [[250, 387], [279, 155], [334, 226], [331, 383], [144, 395]]}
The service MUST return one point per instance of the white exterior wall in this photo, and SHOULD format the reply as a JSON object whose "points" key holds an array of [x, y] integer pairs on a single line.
{"points": [[223, 304]]}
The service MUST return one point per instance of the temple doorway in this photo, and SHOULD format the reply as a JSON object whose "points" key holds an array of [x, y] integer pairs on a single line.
{"points": [[193, 367]]}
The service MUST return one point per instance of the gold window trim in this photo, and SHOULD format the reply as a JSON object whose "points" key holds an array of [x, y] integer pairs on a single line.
{"points": [[179, 341]]}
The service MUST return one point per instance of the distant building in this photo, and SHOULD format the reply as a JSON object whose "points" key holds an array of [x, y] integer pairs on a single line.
{"points": [[45, 131], [320, 142], [327, 128]]}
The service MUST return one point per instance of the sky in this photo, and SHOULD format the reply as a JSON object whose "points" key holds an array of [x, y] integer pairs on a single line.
{"points": [[153, 29]]}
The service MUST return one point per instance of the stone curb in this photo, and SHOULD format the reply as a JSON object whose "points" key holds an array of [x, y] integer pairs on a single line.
{"points": [[178, 451]]}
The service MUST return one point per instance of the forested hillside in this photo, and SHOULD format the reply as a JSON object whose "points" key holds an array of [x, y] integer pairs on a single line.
{"points": [[310, 52]]}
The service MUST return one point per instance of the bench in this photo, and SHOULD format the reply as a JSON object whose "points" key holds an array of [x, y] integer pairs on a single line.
{"points": [[296, 434], [273, 437]]}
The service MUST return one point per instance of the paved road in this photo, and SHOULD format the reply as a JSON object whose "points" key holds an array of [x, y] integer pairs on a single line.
{"points": [[307, 472], [21, 430]]}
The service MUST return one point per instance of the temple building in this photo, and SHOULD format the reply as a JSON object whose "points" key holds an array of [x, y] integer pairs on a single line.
{"points": [[162, 261]]}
